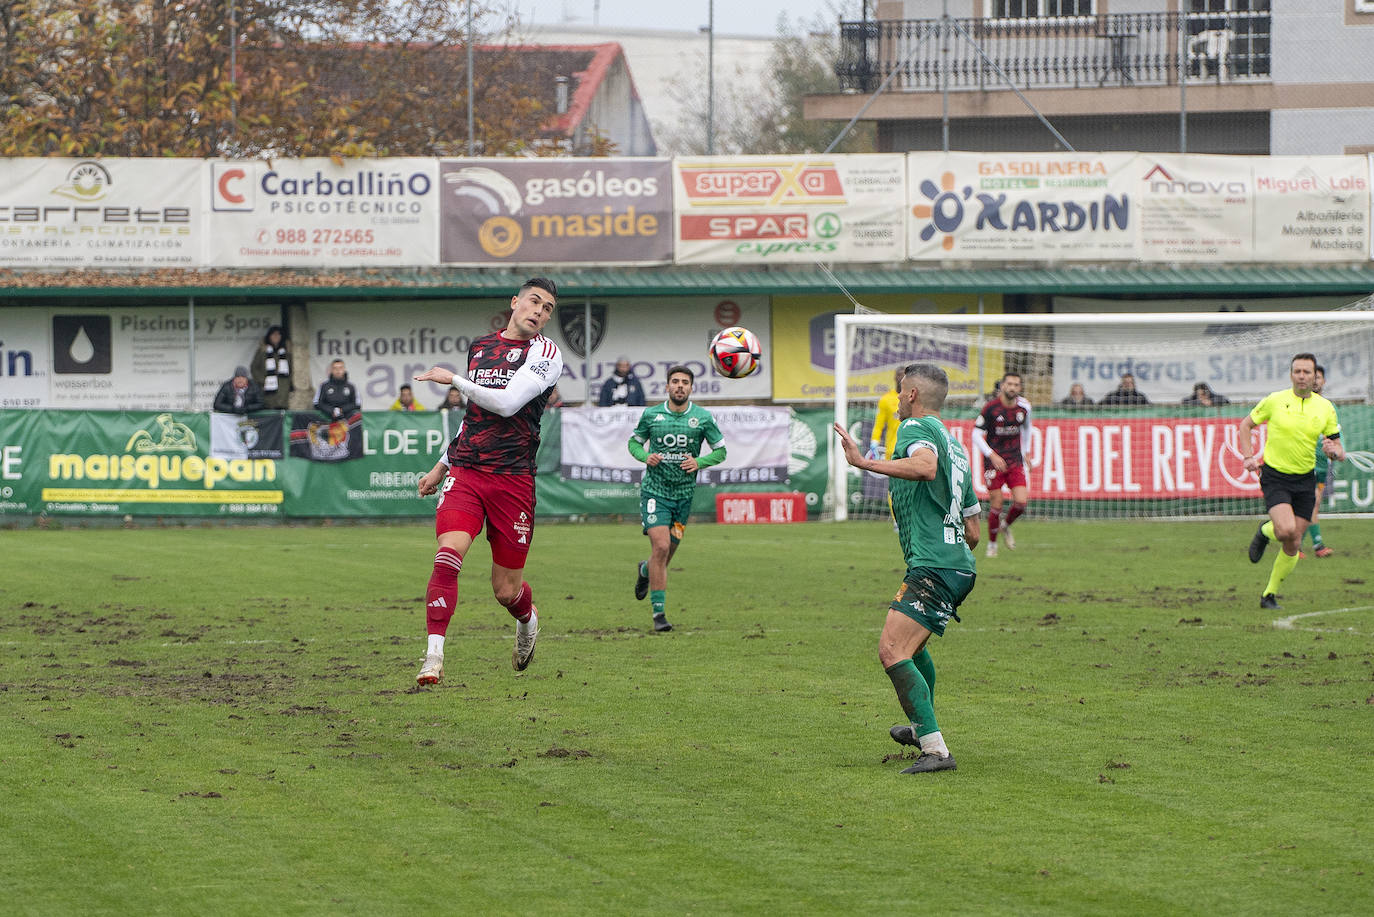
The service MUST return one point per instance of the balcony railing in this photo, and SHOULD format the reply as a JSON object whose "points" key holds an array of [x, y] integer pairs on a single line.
{"points": [[1119, 49]]}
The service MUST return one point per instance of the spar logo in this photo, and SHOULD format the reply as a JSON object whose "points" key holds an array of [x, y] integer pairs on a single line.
{"points": [[948, 206], [770, 184]]}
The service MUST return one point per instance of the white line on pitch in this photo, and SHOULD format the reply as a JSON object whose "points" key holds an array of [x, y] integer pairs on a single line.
{"points": [[1290, 622]]}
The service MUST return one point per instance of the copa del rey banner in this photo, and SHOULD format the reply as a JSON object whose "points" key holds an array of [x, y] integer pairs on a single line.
{"points": [[595, 445], [1125, 458], [789, 209]]}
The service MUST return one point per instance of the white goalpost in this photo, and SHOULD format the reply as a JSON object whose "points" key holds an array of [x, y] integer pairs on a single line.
{"points": [[1170, 458]]}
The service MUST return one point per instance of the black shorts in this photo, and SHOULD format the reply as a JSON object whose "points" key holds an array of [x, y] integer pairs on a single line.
{"points": [[1297, 490]]}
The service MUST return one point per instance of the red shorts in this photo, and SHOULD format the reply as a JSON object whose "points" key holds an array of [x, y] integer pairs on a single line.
{"points": [[504, 501], [1014, 476]]}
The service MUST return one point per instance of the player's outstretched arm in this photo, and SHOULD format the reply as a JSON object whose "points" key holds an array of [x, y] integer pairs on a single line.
{"points": [[920, 466]]}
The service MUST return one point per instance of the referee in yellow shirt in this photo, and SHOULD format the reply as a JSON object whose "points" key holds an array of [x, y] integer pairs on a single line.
{"points": [[1298, 418]]}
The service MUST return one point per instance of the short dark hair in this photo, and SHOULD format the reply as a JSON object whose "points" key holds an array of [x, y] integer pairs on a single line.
{"points": [[1303, 356], [405, 387], [1006, 376], [936, 389], [679, 368], [1321, 369], [543, 283]]}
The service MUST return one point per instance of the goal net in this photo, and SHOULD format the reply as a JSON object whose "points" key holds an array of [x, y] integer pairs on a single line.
{"points": [[1172, 455]]}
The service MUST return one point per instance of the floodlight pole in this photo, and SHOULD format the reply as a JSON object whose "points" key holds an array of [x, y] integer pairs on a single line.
{"points": [[472, 146], [711, 78]]}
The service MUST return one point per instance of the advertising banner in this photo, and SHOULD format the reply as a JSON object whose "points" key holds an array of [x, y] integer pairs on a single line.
{"points": [[315, 212], [24, 358], [789, 209], [115, 463], [1128, 458], [1196, 208], [556, 211], [1022, 206], [395, 448], [383, 348], [1240, 362], [804, 344], [594, 446], [116, 213], [132, 358], [1311, 208]]}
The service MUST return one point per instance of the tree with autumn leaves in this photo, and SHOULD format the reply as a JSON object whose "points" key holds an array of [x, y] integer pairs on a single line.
{"points": [[299, 78]]}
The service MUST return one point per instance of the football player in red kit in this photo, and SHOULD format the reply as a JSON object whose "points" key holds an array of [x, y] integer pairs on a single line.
{"points": [[1002, 433], [487, 472]]}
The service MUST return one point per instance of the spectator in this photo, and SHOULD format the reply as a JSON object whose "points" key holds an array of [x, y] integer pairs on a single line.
{"points": [[1126, 393], [454, 401], [622, 387], [1076, 398], [337, 397], [405, 400], [239, 395], [272, 369], [1203, 396]]}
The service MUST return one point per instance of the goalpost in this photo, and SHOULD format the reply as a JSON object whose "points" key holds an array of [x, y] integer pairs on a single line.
{"points": [[1166, 459]]}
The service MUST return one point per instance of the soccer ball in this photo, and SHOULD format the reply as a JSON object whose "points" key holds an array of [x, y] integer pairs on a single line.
{"points": [[735, 352]]}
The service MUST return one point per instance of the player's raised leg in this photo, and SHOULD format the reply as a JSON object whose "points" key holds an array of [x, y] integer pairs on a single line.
{"points": [[509, 586]]}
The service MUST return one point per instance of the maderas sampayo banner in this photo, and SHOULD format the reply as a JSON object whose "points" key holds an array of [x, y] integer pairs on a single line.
{"points": [[117, 463], [555, 211]]}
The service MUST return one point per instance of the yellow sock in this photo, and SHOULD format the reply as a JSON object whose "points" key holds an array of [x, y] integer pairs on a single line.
{"points": [[1283, 565], [1268, 530]]}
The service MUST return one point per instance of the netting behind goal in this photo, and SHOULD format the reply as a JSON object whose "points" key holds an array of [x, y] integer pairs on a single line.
{"points": [[1175, 456]]}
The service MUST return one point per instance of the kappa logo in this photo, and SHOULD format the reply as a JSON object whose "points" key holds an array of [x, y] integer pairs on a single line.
{"points": [[438, 603]]}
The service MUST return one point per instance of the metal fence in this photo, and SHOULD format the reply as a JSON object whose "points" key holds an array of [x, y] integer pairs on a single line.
{"points": [[1126, 49]]}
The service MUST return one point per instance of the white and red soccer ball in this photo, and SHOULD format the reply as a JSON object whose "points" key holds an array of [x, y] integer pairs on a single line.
{"points": [[735, 352]]}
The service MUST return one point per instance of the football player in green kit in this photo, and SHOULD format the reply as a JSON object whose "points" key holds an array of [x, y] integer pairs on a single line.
{"points": [[668, 440], [937, 525]]}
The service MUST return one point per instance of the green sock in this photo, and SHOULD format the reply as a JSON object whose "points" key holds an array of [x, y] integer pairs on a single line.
{"points": [[926, 666], [1268, 530], [1283, 565], [658, 598], [1315, 530], [914, 695]]}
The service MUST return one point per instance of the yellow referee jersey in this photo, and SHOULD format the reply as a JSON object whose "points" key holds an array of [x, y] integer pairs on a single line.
{"points": [[1295, 426], [886, 422]]}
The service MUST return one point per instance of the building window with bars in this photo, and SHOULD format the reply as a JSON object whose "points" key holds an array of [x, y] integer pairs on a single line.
{"points": [[1039, 9]]}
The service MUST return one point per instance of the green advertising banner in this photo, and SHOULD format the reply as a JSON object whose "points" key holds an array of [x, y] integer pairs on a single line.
{"points": [[398, 447], [97, 463], [112, 463]]}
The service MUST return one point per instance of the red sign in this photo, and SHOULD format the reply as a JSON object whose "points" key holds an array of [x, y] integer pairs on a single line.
{"points": [[790, 182], [741, 509], [1128, 458], [695, 226]]}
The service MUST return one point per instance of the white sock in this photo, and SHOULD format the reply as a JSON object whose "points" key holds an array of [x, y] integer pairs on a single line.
{"points": [[932, 743], [436, 645], [525, 627]]}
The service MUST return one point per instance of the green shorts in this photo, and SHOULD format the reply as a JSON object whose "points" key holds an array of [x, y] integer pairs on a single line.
{"points": [[930, 596], [656, 511]]}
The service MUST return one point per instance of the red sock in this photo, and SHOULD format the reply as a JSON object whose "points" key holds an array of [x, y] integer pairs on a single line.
{"points": [[1015, 512], [442, 595], [524, 603], [994, 522]]}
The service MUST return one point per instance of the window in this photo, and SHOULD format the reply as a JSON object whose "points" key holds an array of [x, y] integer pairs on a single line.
{"points": [[1040, 9], [1364, 6]]}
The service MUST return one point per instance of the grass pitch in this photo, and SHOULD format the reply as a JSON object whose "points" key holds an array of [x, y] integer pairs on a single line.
{"points": [[224, 721]]}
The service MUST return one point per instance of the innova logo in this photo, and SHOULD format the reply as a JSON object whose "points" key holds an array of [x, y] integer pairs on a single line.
{"points": [[1162, 181]]}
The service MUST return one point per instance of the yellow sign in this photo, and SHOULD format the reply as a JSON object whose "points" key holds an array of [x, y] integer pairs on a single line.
{"points": [[129, 495], [804, 349]]}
